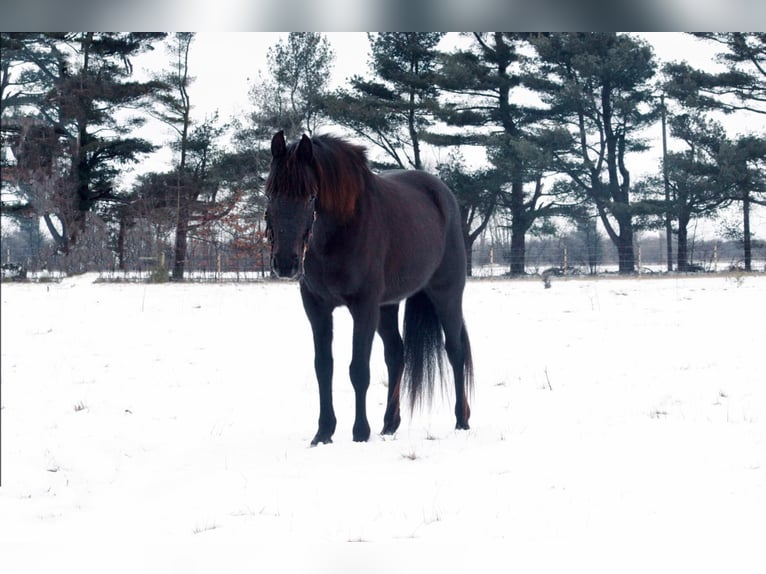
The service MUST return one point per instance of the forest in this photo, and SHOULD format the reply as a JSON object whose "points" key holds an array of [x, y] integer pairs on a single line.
{"points": [[556, 118]]}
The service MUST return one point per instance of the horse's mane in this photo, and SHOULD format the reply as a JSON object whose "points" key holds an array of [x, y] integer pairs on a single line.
{"points": [[341, 169]]}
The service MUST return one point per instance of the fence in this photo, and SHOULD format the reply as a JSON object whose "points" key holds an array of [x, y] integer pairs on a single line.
{"points": [[573, 256], [210, 262]]}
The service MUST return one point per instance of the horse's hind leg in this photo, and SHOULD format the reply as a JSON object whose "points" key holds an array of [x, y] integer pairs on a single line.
{"points": [[459, 353], [366, 316], [449, 308], [388, 329]]}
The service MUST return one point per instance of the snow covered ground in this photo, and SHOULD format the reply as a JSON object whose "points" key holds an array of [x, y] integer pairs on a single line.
{"points": [[618, 425]]}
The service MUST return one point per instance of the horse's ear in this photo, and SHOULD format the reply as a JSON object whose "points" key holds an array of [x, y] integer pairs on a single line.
{"points": [[278, 147], [305, 151]]}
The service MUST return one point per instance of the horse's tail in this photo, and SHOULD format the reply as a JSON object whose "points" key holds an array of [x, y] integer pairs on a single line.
{"points": [[468, 361], [423, 349]]}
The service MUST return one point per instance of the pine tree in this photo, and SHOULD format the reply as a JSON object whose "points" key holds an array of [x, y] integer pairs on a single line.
{"points": [[740, 88], [68, 135], [744, 165], [485, 106], [597, 84], [697, 186], [290, 97], [394, 107]]}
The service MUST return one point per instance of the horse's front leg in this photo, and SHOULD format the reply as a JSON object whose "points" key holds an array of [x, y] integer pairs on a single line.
{"points": [[365, 317], [320, 317]]}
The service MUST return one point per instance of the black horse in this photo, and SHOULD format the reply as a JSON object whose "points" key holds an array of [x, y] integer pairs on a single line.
{"points": [[369, 241]]}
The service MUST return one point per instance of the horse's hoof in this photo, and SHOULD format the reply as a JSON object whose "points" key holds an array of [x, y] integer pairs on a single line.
{"points": [[321, 438], [462, 426], [361, 433], [390, 428]]}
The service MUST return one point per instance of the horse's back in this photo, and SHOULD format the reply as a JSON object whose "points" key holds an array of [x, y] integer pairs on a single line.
{"points": [[410, 182], [425, 236]]}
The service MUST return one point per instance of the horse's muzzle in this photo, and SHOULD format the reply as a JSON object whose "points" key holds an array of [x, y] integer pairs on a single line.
{"points": [[286, 266]]}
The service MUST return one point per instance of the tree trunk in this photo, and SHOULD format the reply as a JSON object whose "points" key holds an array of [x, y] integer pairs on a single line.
{"points": [[518, 250], [666, 182], [121, 244], [519, 222], [746, 232], [468, 255], [622, 239], [683, 243], [182, 232], [625, 254], [682, 255], [61, 239]]}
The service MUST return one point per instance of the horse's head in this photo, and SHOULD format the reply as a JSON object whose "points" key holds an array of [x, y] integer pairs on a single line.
{"points": [[291, 189]]}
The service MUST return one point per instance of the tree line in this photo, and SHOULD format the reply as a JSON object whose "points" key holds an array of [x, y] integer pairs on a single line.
{"points": [[557, 118]]}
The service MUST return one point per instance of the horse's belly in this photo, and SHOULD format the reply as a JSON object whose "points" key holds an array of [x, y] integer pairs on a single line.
{"points": [[408, 277]]}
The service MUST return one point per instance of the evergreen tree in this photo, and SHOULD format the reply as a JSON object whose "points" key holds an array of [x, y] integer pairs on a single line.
{"points": [[596, 84], [744, 165], [394, 107], [69, 138], [175, 111], [741, 88], [695, 175], [290, 98], [485, 106], [199, 190]]}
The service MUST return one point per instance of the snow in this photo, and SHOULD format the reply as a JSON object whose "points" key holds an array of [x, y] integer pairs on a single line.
{"points": [[618, 425]]}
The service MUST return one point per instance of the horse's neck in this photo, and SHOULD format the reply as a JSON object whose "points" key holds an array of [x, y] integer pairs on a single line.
{"points": [[329, 235], [324, 233]]}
